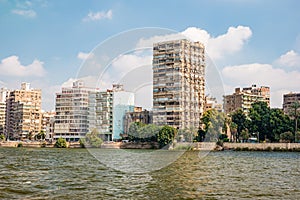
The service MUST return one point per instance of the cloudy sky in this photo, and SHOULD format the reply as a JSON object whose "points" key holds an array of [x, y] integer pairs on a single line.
{"points": [[51, 43]]}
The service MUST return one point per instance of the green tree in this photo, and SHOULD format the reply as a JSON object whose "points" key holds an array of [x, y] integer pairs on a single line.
{"points": [[189, 134], [295, 113], [134, 133], [213, 125], [2, 137], [279, 123], [40, 136], [61, 143], [166, 135], [287, 136], [244, 136], [92, 139], [239, 118], [148, 133]]}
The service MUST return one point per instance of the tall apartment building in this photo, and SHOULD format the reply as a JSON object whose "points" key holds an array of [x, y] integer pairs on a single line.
{"points": [[3, 92], [71, 108], [23, 113], [107, 111], [47, 124], [288, 100], [243, 99], [138, 115], [178, 83]]}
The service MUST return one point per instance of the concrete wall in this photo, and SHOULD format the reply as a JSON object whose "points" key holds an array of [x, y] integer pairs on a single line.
{"points": [[261, 146]]}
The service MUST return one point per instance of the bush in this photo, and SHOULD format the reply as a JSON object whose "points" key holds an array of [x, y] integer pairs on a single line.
{"points": [[287, 136], [61, 143], [20, 144]]}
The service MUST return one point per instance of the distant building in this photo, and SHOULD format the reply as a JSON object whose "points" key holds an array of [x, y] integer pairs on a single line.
{"points": [[23, 113], [138, 115], [178, 83], [48, 120], [71, 108], [288, 100], [211, 103], [243, 99], [107, 111], [3, 92]]}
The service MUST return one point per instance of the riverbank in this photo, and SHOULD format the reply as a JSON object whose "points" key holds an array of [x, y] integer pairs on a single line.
{"points": [[200, 146]]}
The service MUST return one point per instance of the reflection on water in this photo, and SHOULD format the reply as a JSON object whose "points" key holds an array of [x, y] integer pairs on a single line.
{"points": [[76, 174]]}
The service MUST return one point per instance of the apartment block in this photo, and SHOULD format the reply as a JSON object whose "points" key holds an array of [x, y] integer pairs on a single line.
{"points": [[107, 111], [23, 113], [289, 100], [212, 103], [178, 83], [71, 108], [138, 115], [3, 92], [243, 99], [48, 121]]}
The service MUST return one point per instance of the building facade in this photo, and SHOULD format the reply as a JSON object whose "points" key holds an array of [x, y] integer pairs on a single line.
{"points": [[211, 103], [107, 111], [71, 108], [48, 121], [243, 99], [23, 113], [178, 83], [288, 101], [3, 92], [138, 115]]}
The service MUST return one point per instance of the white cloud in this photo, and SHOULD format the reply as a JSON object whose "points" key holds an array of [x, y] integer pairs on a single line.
{"points": [[263, 75], [11, 66], [84, 56], [217, 47], [94, 16], [26, 13], [290, 59]]}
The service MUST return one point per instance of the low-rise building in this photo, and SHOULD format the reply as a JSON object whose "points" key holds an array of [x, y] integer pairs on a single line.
{"points": [[138, 115], [288, 100]]}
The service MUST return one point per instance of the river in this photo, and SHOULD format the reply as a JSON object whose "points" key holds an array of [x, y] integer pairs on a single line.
{"points": [[49, 173]]}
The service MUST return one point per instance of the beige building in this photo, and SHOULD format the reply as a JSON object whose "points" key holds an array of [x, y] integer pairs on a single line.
{"points": [[138, 115], [288, 100], [243, 99], [23, 113], [47, 124], [211, 103], [178, 83]]}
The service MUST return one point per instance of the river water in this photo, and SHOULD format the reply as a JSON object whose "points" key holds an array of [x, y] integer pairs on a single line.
{"points": [[36, 173]]}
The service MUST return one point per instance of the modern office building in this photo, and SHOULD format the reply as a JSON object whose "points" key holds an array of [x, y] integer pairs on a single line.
{"points": [[178, 83], [23, 113], [107, 111], [138, 115], [71, 108], [243, 99], [288, 100]]}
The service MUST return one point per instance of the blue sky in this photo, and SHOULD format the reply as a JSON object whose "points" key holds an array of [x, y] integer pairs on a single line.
{"points": [[45, 42]]}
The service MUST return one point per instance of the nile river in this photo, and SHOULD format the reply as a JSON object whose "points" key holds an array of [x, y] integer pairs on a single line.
{"points": [[75, 174]]}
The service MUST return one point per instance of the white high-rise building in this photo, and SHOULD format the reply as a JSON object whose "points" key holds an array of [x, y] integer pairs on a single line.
{"points": [[71, 107], [107, 111]]}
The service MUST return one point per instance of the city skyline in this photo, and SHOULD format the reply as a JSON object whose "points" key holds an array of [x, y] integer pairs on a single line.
{"points": [[250, 42]]}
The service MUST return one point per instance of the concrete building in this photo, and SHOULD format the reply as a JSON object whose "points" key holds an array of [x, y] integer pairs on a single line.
{"points": [[71, 108], [243, 99], [288, 100], [107, 111], [48, 121], [138, 115], [23, 113], [178, 83], [3, 92], [211, 103]]}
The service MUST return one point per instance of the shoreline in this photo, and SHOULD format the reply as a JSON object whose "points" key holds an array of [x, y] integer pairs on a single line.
{"points": [[198, 146]]}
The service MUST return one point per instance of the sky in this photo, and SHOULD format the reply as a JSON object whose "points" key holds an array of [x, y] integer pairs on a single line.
{"points": [[52, 43]]}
